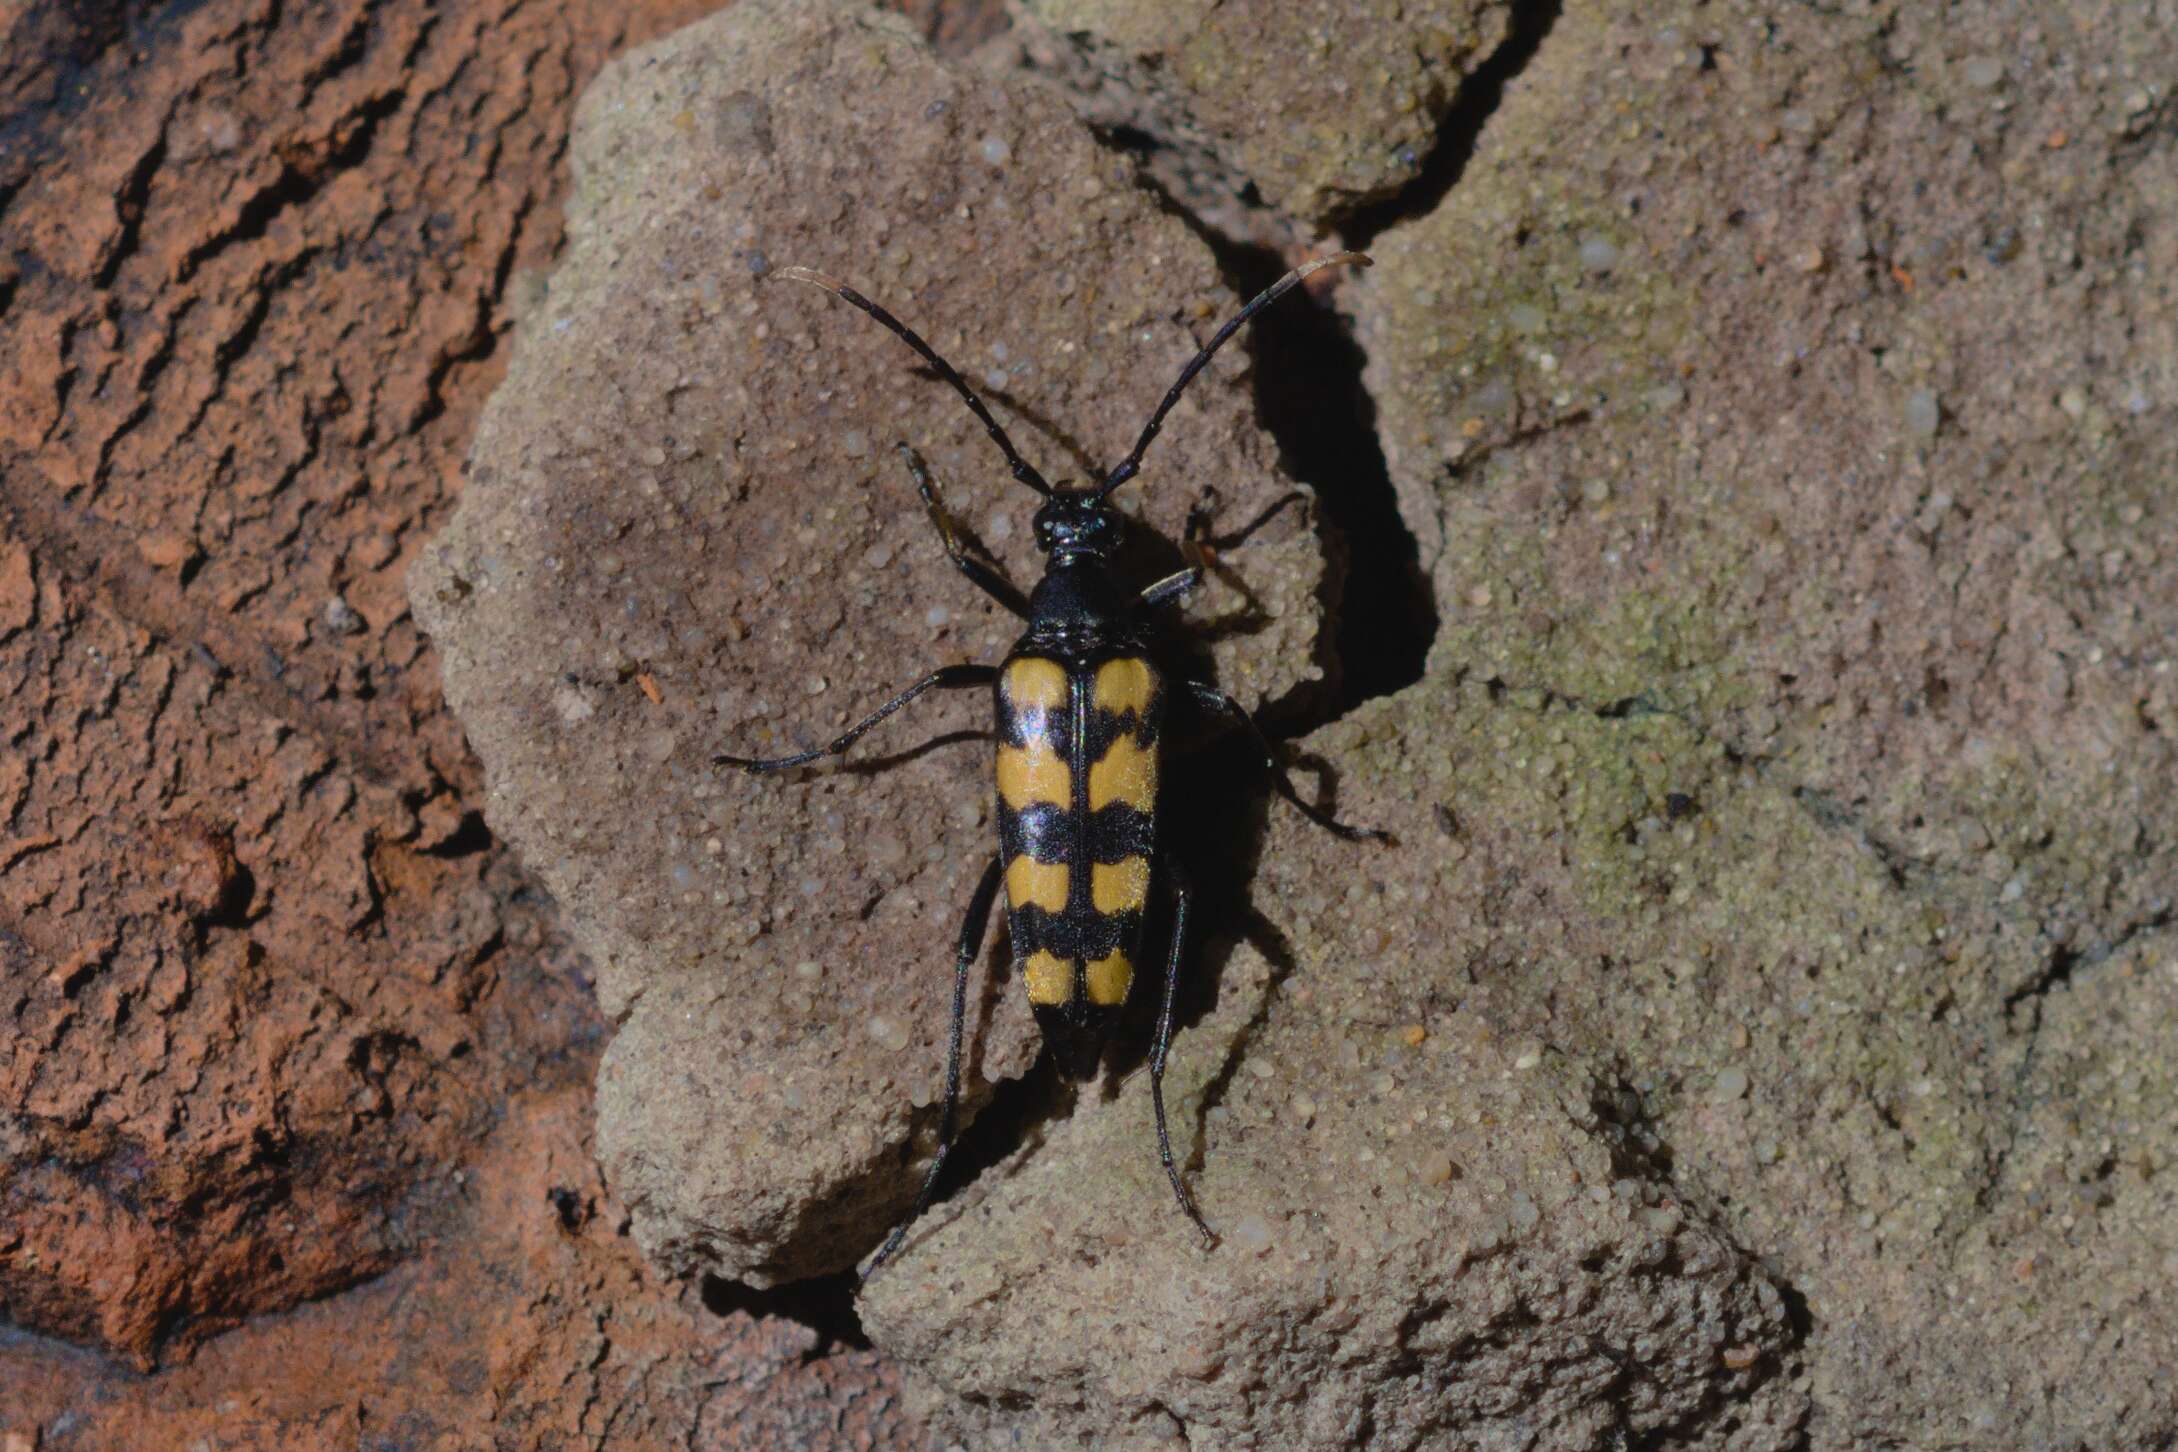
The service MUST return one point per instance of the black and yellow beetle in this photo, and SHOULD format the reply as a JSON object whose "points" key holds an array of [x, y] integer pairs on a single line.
{"points": [[1080, 713]]}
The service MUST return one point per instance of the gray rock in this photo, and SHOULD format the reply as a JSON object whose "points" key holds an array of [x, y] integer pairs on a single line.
{"points": [[1432, 1236], [1715, 481], [1851, 715], [1360, 88], [685, 532]]}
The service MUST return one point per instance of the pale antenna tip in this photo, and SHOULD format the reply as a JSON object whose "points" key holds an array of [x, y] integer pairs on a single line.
{"points": [[804, 274], [1339, 259]]}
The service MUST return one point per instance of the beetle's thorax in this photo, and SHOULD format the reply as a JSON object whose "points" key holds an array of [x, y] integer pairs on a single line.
{"points": [[1078, 606]]}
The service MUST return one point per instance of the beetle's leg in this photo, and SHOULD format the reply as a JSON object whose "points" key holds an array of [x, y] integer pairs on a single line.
{"points": [[946, 676], [981, 573], [971, 947], [1195, 546], [1179, 582], [1182, 894], [1216, 700]]}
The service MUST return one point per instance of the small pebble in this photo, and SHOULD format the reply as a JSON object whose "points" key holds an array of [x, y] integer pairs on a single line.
{"points": [[1923, 414], [1731, 1084], [1984, 72], [1599, 254], [890, 1033], [996, 151], [341, 618], [574, 707], [1251, 1234]]}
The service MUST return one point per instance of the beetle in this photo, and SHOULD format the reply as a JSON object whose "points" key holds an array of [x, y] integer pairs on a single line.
{"points": [[1080, 706]]}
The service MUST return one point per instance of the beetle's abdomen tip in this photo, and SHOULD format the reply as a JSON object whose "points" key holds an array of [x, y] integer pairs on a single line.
{"points": [[1076, 1049]]}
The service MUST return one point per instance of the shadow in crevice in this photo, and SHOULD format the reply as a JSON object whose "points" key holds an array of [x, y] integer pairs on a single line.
{"points": [[1460, 129], [1309, 396], [825, 1304]]}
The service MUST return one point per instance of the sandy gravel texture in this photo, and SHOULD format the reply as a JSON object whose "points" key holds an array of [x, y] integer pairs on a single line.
{"points": [[1361, 88]]}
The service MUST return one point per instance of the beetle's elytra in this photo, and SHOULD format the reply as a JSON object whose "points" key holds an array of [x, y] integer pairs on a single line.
{"points": [[1080, 708]]}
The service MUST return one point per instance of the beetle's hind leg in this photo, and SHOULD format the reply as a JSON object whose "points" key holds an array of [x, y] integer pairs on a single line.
{"points": [[1183, 893], [948, 677], [983, 574], [971, 947], [1211, 698]]}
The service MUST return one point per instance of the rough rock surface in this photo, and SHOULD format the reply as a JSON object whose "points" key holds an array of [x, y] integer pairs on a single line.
{"points": [[686, 532], [1732, 420], [1360, 88], [292, 1043], [1808, 431], [1432, 1233]]}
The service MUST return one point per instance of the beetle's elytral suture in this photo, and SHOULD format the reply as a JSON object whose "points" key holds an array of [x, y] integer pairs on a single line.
{"points": [[1080, 709]]}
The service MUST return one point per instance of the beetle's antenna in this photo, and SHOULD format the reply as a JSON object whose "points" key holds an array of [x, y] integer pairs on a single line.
{"points": [[1023, 470], [1132, 464]]}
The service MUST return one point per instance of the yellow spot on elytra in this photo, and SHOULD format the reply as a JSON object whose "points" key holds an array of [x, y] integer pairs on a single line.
{"points": [[1123, 685], [1120, 887], [1030, 883], [1035, 684], [1109, 979], [1033, 773], [1050, 978], [1127, 774]]}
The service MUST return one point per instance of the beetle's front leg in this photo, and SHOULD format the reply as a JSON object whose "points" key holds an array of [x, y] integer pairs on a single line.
{"points": [[1195, 547], [981, 573]]}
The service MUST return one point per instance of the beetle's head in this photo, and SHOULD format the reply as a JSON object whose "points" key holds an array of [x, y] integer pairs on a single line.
{"points": [[1077, 524]]}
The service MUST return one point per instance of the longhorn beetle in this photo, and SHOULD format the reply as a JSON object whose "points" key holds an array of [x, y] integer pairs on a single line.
{"points": [[1080, 712]]}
